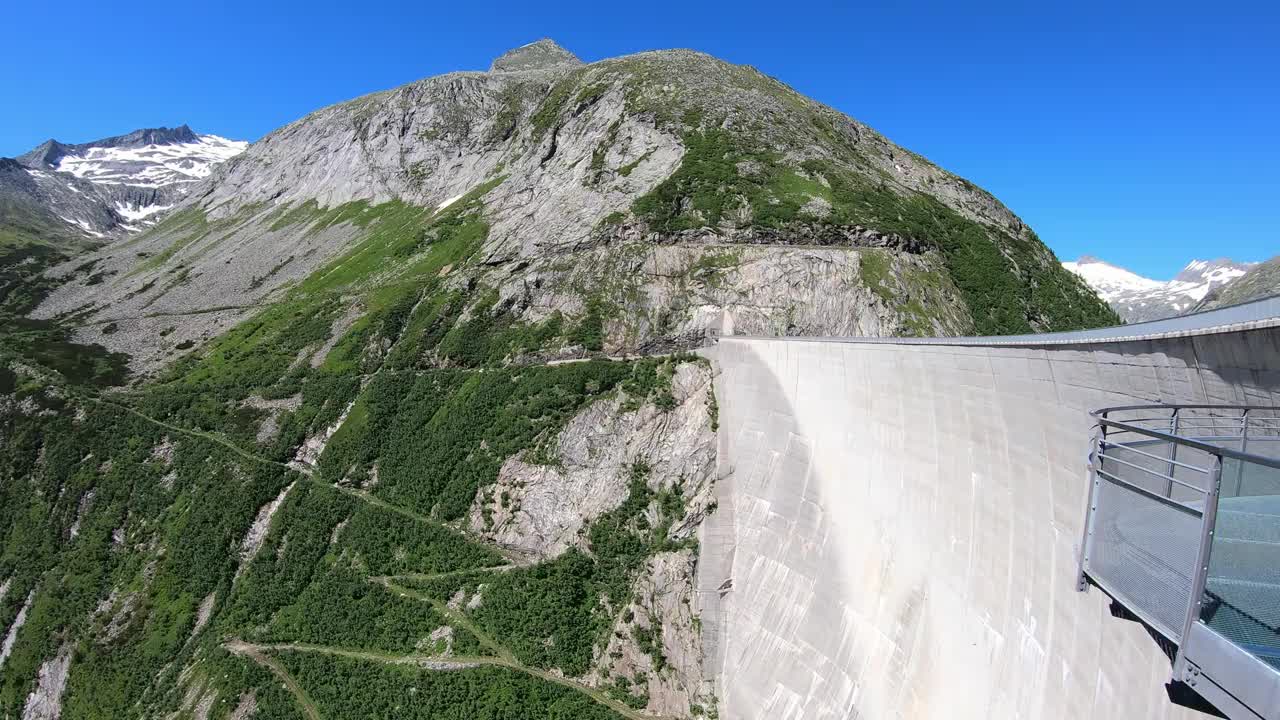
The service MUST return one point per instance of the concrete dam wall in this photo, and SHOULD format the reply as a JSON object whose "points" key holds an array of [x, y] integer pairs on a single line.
{"points": [[898, 521]]}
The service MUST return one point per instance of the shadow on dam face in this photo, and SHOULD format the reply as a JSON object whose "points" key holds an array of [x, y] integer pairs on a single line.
{"points": [[898, 523]]}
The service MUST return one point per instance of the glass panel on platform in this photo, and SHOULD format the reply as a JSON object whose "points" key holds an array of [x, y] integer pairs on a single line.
{"points": [[1242, 590]]}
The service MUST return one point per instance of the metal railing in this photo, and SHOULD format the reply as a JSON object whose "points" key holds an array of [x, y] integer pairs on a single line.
{"points": [[1183, 530]]}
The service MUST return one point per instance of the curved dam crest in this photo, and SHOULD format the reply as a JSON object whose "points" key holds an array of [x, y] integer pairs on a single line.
{"points": [[898, 521]]}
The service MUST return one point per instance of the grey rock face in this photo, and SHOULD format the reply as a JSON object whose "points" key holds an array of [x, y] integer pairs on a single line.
{"points": [[58, 210], [675, 295], [539, 510], [45, 701], [540, 55], [435, 140], [246, 707], [667, 666], [11, 635]]}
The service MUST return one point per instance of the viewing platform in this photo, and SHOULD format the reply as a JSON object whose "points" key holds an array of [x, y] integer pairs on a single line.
{"points": [[1183, 532]]}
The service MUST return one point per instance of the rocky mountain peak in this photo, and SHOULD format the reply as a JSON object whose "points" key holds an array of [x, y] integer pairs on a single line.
{"points": [[540, 55], [49, 153], [46, 154], [151, 136]]}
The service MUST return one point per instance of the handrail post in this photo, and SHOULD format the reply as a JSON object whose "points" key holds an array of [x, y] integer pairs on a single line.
{"points": [[1195, 603], [1244, 447], [1095, 450], [1173, 453]]}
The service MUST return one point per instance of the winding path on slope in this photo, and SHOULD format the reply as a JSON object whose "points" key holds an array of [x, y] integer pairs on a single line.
{"points": [[306, 473], [503, 658], [257, 654], [260, 654]]}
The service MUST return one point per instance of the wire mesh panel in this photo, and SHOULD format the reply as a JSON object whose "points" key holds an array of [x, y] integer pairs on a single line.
{"points": [[1183, 530], [1143, 551]]}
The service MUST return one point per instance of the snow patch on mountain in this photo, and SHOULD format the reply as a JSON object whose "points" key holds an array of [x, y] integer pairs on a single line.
{"points": [[1204, 274], [450, 201], [153, 165], [1137, 298], [115, 185], [83, 225], [137, 211]]}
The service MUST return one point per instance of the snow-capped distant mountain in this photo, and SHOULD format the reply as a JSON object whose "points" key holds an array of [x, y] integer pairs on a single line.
{"points": [[1109, 281], [117, 184], [1137, 298], [151, 165]]}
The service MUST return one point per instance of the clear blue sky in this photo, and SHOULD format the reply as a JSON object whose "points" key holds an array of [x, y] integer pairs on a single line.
{"points": [[1142, 133]]}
